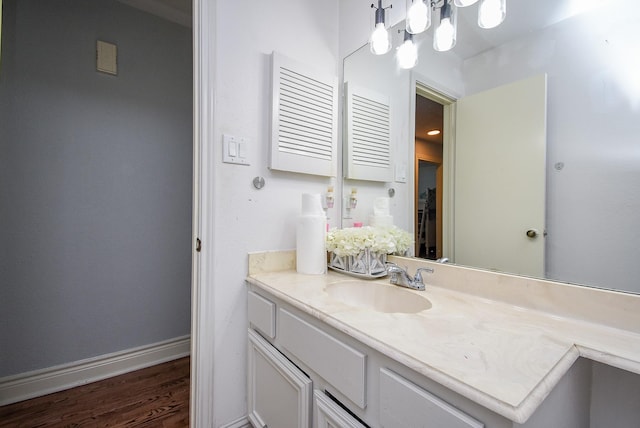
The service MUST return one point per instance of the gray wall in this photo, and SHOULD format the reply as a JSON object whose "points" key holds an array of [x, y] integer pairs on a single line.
{"points": [[615, 395], [95, 182]]}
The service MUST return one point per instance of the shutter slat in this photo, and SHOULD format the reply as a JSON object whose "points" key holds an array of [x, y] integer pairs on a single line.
{"points": [[308, 81]]}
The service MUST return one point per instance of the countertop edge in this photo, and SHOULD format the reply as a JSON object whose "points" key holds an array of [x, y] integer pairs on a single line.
{"points": [[609, 359]]}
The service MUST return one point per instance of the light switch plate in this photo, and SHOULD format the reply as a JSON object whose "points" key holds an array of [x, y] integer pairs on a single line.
{"points": [[106, 57], [235, 150]]}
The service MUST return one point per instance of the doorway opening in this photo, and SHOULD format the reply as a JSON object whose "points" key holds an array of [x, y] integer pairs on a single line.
{"points": [[429, 169]]}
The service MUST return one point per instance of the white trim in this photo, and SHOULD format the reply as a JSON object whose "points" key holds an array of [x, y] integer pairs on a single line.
{"points": [[202, 287], [58, 378], [243, 422]]}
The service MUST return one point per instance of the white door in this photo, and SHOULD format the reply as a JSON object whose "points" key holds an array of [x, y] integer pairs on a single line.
{"points": [[499, 185]]}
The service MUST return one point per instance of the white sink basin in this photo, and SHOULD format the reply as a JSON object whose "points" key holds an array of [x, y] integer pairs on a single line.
{"points": [[378, 297]]}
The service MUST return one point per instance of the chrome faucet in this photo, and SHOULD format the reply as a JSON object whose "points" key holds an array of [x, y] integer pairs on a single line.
{"points": [[402, 278]]}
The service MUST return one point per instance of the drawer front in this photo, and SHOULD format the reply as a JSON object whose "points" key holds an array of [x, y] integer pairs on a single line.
{"points": [[337, 363], [404, 404], [262, 314]]}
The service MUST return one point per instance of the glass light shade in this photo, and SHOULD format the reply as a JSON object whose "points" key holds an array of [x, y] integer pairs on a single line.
{"points": [[491, 13], [407, 55], [444, 37], [464, 3], [380, 42], [418, 16]]}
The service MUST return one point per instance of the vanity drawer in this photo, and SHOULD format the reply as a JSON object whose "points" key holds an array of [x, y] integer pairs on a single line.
{"points": [[328, 414], [262, 314], [338, 363], [404, 404]]}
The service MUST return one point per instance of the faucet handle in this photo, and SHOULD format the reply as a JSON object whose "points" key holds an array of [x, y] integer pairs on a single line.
{"points": [[418, 276]]}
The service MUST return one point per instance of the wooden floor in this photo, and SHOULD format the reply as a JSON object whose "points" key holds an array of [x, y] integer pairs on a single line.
{"points": [[157, 396]]}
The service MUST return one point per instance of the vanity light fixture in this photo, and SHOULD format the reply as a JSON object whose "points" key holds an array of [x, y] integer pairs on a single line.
{"points": [[380, 42], [433, 132], [491, 13], [407, 54]]}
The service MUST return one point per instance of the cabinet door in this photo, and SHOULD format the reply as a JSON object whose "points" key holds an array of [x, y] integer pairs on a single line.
{"points": [[329, 415], [279, 393], [404, 404]]}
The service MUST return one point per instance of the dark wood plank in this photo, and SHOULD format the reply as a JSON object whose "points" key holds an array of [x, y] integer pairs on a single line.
{"points": [[157, 396]]}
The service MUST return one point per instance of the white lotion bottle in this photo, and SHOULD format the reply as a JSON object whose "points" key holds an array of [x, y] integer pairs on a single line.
{"points": [[311, 255]]}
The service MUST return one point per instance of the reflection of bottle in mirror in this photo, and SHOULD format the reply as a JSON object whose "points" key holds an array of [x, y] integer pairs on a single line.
{"points": [[353, 199], [329, 199]]}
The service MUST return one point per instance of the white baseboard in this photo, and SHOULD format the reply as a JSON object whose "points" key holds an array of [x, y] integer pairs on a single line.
{"points": [[58, 378], [240, 423]]}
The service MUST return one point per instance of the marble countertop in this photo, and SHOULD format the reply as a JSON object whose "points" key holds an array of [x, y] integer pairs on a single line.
{"points": [[502, 356]]}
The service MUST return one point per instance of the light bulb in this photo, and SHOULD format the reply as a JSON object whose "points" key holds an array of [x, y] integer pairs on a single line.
{"points": [[445, 36], [380, 43], [491, 13], [407, 55], [418, 17], [464, 3]]}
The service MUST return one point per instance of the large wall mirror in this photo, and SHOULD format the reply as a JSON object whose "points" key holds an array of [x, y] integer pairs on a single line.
{"points": [[584, 57]]}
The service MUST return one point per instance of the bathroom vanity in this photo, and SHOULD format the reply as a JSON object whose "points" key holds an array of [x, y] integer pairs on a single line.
{"points": [[336, 351]]}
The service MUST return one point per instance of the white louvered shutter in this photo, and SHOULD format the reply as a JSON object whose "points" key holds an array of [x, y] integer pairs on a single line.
{"points": [[368, 135], [304, 119]]}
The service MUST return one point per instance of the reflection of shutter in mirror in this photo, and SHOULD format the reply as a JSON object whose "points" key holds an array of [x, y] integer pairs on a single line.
{"points": [[368, 145]]}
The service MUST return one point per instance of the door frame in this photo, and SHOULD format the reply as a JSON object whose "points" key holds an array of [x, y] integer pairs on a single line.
{"points": [[204, 218], [423, 86]]}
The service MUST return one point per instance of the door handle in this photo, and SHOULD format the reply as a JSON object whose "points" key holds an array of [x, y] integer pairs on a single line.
{"points": [[532, 233]]}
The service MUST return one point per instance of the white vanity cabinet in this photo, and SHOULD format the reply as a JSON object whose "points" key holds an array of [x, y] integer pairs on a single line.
{"points": [[279, 393], [292, 353], [304, 372]]}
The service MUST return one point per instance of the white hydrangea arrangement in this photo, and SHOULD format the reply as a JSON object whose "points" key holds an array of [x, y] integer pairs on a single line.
{"points": [[353, 240]]}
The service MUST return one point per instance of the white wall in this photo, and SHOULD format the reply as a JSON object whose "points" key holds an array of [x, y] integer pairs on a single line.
{"points": [[247, 219]]}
